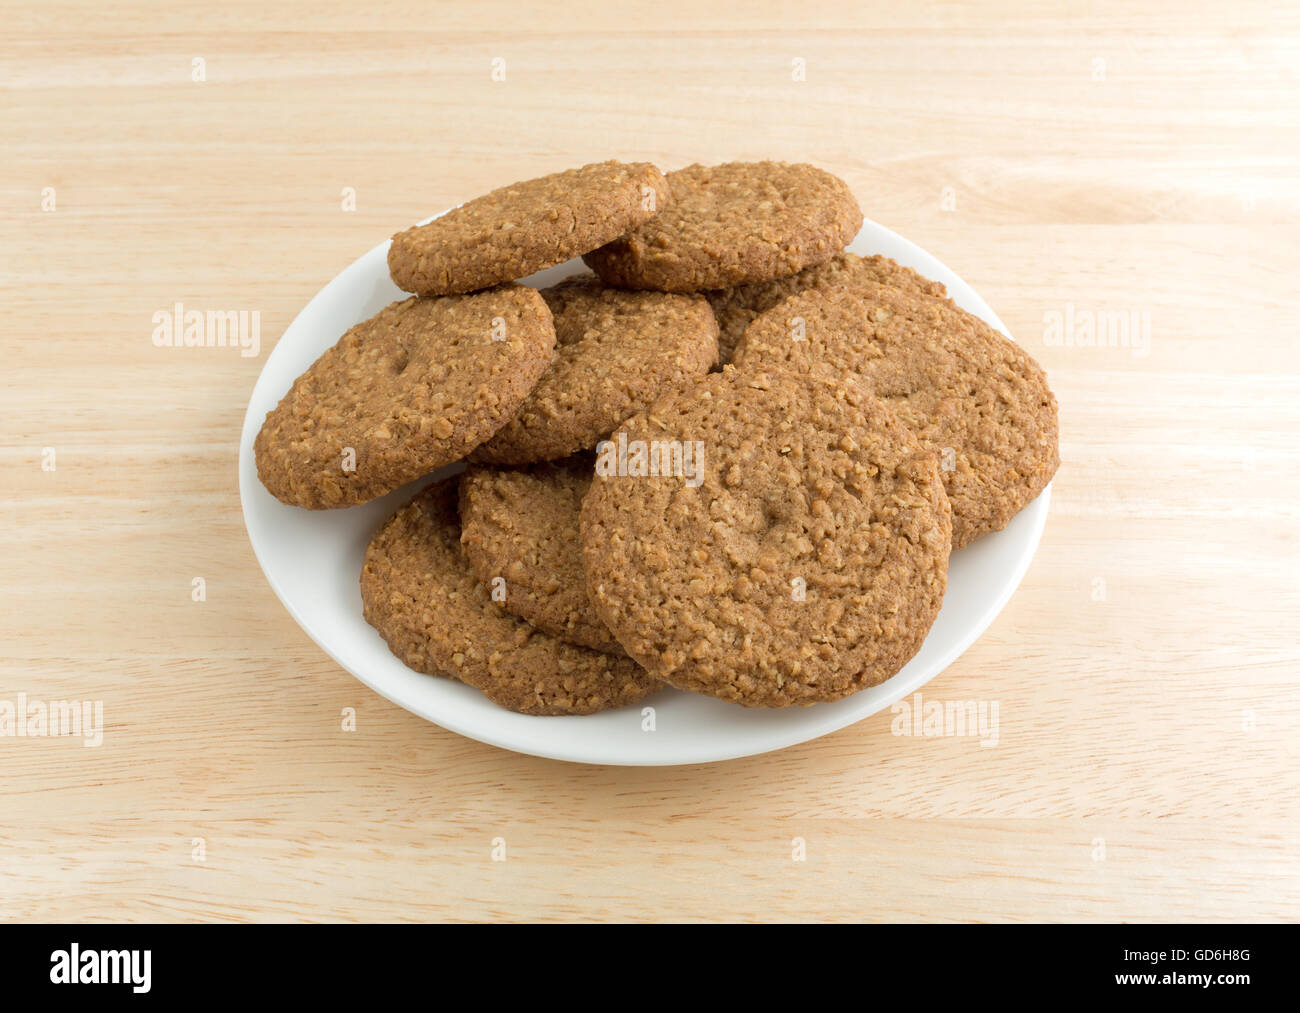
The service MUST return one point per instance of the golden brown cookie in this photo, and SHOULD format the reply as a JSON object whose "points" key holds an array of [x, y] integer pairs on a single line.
{"points": [[519, 229], [737, 307], [616, 352], [801, 556], [421, 595], [734, 224], [416, 386], [519, 529], [972, 396]]}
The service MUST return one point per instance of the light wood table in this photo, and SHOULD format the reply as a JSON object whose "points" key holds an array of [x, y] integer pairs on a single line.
{"points": [[1139, 159]]}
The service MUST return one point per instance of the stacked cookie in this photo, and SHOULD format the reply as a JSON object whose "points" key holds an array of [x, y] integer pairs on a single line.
{"points": [[734, 459]]}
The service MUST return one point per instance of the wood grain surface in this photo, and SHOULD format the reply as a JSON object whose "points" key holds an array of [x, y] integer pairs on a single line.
{"points": [[1080, 161]]}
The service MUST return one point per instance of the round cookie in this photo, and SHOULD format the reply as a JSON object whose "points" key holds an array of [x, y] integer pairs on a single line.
{"points": [[420, 594], [737, 307], [518, 229], [972, 396], [522, 527], [416, 386], [617, 351], [804, 560], [734, 224]]}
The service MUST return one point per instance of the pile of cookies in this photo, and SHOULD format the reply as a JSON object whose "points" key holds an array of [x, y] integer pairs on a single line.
{"points": [[733, 458]]}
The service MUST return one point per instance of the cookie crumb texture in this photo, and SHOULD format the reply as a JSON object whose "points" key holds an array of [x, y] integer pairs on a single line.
{"points": [[522, 526], [734, 224], [616, 352], [737, 307], [809, 562], [420, 594], [525, 227], [971, 395], [416, 386]]}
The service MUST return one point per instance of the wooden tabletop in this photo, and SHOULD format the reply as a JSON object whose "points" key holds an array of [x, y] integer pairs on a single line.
{"points": [[1131, 172]]}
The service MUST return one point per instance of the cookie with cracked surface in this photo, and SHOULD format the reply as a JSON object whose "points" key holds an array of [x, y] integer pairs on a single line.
{"points": [[737, 307], [521, 526], [416, 386], [420, 594], [806, 563], [616, 352], [734, 224], [525, 227], [970, 394]]}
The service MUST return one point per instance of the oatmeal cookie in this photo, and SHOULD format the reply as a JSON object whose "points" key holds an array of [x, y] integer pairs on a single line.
{"points": [[419, 592], [416, 386], [512, 232], [802, 557], [972, 396], [734, 224], [616, 352]]}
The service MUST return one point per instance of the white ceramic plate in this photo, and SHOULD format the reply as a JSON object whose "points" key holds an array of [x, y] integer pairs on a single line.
{"points": [[313, 562]]}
